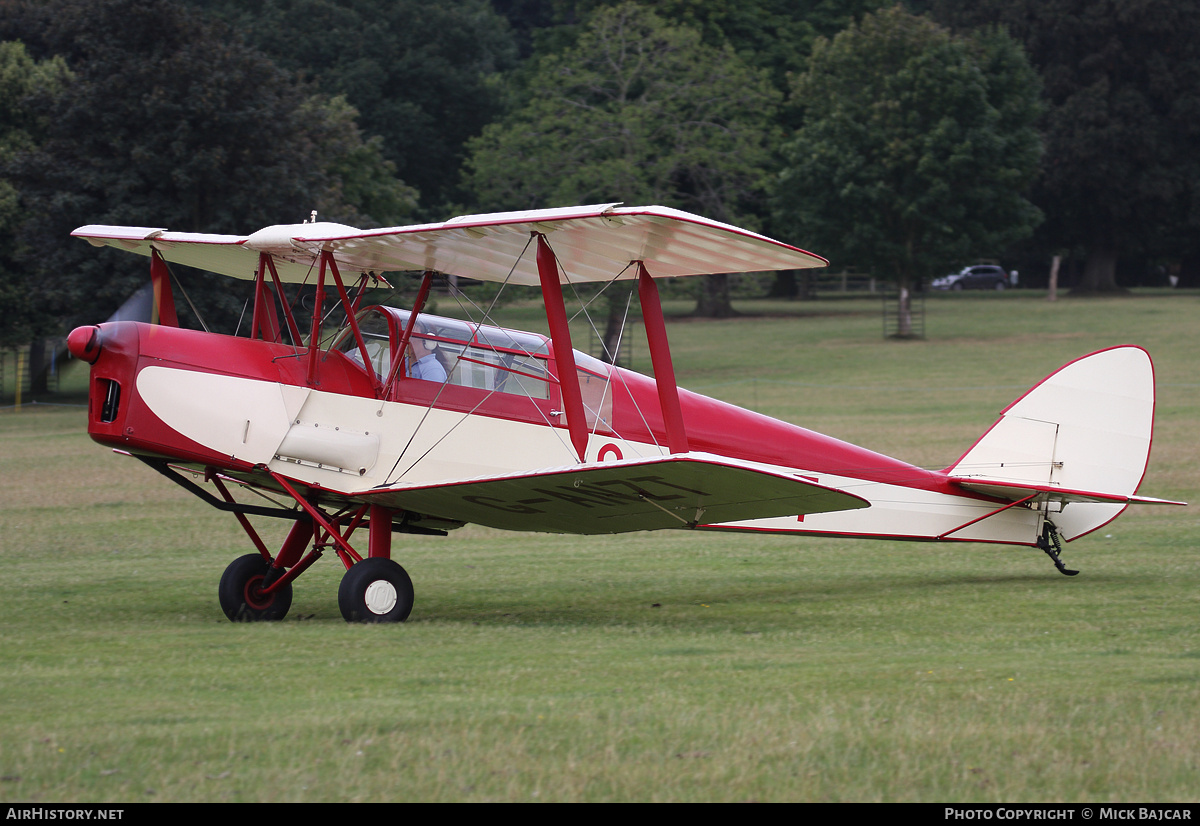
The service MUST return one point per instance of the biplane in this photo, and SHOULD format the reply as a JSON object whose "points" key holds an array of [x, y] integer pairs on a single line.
{"points": [[397, 421]]}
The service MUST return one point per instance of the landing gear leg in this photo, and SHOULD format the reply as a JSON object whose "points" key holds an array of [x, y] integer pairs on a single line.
{"points": [[1049, 543], [374, 589]]}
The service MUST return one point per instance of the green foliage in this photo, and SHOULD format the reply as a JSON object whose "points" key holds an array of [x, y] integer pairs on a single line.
{"points": [[640, 111], [417, 72], [915, 150], [1122, 122], [774, 35], [367, 190], [171, 121], [23, 81]]}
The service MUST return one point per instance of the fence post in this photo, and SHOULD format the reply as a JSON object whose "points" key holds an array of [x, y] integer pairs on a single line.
{"points": [[17, 401]]}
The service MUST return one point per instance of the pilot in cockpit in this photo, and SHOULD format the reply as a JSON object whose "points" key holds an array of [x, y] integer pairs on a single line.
{"points": [[423, 362]]}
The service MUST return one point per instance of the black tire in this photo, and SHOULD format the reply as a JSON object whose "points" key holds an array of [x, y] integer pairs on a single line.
{"points": [[957, 286], [1001, 286], [239, 592], [375, 590]]}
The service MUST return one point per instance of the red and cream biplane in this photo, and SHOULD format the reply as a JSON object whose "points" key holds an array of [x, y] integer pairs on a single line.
{"points": [[405, 422]]}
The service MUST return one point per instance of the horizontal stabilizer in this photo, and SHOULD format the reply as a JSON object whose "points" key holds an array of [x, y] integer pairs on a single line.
{"points": [[591, 243], [616, 497], [1004, 489]]}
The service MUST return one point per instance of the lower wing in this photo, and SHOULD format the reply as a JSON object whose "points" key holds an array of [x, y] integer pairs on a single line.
{"points": [[678, 491]]}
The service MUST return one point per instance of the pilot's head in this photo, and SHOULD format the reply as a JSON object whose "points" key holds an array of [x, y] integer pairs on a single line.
{"points": [[418, 346]]}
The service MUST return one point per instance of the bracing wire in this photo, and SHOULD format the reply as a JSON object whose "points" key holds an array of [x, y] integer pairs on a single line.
{"points": [[424, 416]]}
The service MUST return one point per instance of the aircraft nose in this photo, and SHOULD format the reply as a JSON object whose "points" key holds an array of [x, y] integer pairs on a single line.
{"points": [[84, 343]]}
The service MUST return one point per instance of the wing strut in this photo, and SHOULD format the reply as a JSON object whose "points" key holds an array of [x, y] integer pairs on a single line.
{"points": [[328, 263], [402, 348], [314, 337], [266, 321], [560, 337], [660, 357], [351, 308], [164, 301]]}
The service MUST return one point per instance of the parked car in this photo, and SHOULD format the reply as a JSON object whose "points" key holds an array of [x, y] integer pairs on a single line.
{"points": [[977, 277]]}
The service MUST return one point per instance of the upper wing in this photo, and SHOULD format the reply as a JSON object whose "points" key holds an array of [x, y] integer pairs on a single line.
{"points": [[592, 243], [616, 497]]}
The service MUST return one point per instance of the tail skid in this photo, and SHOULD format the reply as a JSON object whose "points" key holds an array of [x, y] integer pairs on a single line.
{"points": [[1049, 543]]}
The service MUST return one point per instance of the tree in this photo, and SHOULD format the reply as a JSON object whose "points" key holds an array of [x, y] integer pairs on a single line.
{"points": [[172, 121], [916, 147], [774, 35], [22, 81], [640, 111], [1121, 124], [419, 73]]}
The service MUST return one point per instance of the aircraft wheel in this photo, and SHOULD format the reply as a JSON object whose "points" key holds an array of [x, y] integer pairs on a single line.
{"points": [[375, 590], [240, 594]]}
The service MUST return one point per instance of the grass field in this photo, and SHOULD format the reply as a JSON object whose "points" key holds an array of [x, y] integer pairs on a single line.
{"points": [[672, 666]]}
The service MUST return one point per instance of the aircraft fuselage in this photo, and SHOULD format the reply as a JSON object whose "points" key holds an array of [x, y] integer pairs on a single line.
{"points": [[241, 405]]}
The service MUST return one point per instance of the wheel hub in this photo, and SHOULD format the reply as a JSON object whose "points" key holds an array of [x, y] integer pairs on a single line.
{"points": [[254, 594], [380, 597]]}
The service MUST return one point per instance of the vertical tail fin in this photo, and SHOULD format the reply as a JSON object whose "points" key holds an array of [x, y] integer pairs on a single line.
{"points": [[1080, 437]]}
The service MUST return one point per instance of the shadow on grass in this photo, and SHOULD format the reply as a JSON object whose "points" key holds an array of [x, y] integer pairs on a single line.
{"points": [[770, 605]]}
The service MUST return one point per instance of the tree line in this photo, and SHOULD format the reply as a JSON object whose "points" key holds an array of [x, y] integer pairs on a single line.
{"points": [[903, 138]]}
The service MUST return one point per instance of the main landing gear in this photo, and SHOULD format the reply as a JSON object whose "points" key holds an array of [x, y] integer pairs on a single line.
{"points": [[374, 589], [259, 587]]}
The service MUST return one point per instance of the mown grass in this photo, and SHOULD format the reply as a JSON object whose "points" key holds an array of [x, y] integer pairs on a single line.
{"points": [[657, 667]]}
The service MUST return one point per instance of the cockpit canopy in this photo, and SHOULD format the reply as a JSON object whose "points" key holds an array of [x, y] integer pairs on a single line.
{"points": [[473, 358], [472, 355]]}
